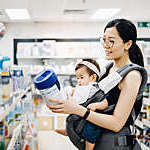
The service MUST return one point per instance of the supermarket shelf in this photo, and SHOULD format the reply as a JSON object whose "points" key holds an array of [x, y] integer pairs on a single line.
{"points": [[143, 123], [147, 56], [4, 114], [50, 57], [58, 74], [65, 74], [16, 133], [139, 124], [146, 101], [40, 60], [143, 110], [147, 66], [24, 145], [55, 116], [39, 114], [10, 98], [146, 122], [144, 147]]}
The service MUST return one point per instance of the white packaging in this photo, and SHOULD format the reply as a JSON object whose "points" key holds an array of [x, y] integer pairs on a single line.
{"points": [[81, 93], [53, 93]]}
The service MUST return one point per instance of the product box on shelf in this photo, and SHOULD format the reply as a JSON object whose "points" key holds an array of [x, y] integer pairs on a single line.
{"points": [[45, 123]]}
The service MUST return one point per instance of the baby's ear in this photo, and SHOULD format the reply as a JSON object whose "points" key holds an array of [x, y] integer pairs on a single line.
{"points": [[94, 77]]}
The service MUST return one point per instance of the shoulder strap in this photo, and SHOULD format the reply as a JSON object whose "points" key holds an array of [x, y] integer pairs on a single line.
{"points": [[127, 68], [114, 78], [105, 69], [109, 81]]}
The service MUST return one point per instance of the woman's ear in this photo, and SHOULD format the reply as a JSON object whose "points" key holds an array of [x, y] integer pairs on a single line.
{"points": [[128, 44]]}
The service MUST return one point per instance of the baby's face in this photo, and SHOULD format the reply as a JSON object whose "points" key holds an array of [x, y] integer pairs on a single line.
{"points": [[83, 78]]}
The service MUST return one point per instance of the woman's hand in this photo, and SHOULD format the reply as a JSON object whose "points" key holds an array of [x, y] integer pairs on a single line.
{"points": [[68, 106]]}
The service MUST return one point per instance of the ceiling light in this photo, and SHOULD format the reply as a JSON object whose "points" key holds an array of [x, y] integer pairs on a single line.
{"points": [[17, 14], [104, 14]]}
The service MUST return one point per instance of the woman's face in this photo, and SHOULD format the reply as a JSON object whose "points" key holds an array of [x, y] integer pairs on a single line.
{"points": [[113, 44], [83, 77]]}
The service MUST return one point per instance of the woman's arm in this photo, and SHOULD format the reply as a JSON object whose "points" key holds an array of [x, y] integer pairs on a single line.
{"points": [[129, 89]]}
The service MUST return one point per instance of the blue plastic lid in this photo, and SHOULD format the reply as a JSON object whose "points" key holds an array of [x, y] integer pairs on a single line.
{"points": [[21, 72], [45, 79], [15, 73]]}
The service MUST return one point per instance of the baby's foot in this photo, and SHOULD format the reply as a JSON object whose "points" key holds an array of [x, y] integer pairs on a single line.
{"points": [[62, 132]]}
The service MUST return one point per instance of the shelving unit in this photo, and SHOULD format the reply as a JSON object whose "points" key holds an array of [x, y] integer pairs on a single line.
{"points": [[5, 113], [139, 124], [16, 109], [16, 133], [146, 122], [146, 101], [143, 146], [58, 49], [143, 121], [53, 57], [54, 117], [142, 124], [17, 130]]}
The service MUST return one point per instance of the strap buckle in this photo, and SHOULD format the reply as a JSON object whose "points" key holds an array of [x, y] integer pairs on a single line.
{"points": [[124, 140]]}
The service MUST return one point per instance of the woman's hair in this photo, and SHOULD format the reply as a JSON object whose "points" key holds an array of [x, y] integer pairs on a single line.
{"points": [[89, 71], [127, 31]]}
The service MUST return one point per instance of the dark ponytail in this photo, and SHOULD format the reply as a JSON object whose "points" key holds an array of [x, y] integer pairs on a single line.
{"points": [[135, 55], [127, 31]]}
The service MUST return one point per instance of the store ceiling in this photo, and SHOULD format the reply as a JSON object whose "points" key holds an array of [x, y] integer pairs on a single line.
{"points": [[75, 10]]}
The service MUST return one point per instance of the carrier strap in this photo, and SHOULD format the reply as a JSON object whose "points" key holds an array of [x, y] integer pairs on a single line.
{"points": [[127, 68]]}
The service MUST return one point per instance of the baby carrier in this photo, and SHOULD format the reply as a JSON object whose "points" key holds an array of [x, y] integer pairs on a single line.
{"points": [[75, 124]]}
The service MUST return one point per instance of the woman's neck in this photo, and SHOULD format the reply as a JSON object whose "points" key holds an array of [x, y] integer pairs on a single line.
{"points": [[122, 61]]}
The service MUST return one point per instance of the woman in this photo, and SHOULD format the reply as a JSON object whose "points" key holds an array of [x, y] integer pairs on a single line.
{"points": [[119, 42]]}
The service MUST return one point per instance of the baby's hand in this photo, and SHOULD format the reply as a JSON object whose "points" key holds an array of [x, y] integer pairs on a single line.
{"points": [[92, 106]]}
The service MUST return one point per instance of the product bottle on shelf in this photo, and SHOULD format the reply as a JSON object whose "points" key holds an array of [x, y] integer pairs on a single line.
{"points": [[0, 88], [21, 80], [2, 136], [6, 85]]}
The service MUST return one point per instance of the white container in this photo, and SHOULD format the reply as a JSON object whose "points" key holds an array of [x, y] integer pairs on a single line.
{"points": [[49, 86]]}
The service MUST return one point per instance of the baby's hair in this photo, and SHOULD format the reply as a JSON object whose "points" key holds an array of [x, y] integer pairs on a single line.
{"points": [[89, 71]]}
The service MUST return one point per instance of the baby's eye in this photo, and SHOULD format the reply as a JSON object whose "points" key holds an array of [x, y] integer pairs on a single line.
{"points": [[104, 39]]}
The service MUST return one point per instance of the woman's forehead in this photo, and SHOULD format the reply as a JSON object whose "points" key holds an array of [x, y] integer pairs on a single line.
{"points": [[111, 32]]}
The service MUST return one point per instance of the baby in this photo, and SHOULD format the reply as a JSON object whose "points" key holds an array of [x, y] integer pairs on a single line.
{"points": [[88, 72]]}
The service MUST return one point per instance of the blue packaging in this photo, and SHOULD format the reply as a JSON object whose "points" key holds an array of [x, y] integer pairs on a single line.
{"points": [[49, 86]]}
